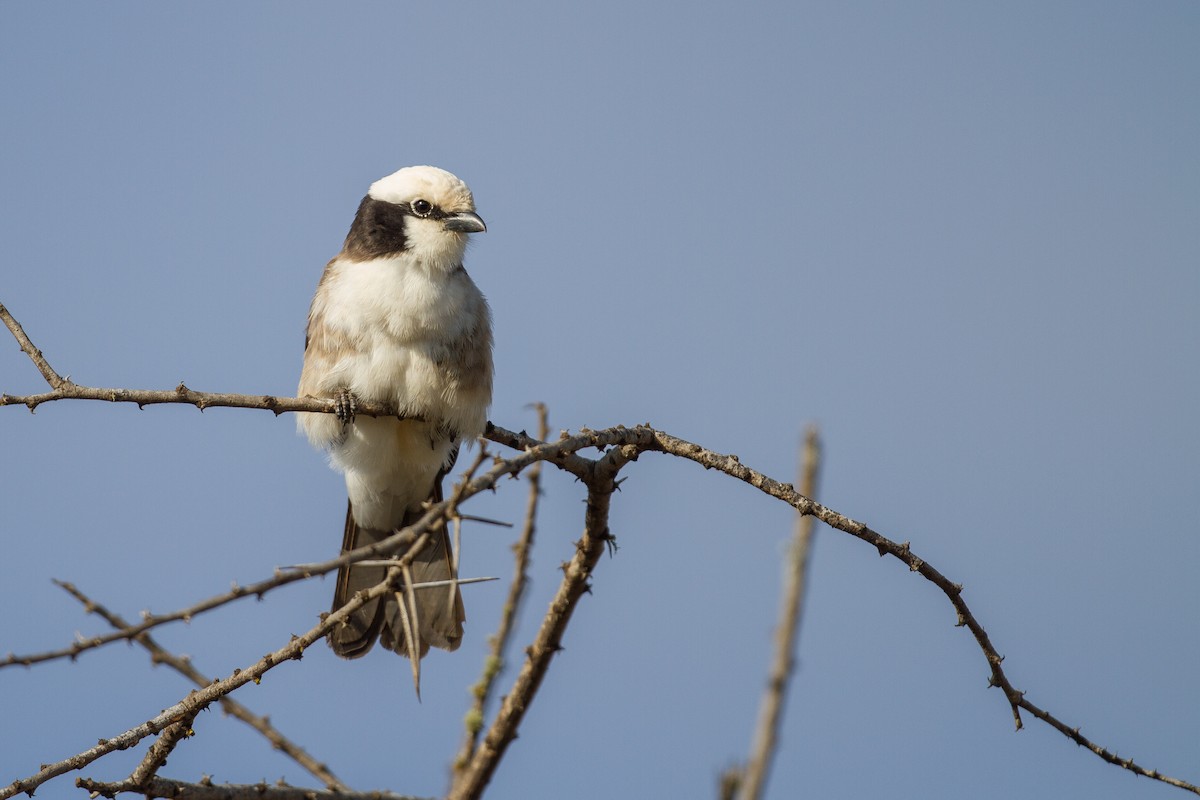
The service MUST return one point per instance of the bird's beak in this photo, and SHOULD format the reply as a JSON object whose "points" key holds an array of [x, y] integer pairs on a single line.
{"points": [[465, 222]]}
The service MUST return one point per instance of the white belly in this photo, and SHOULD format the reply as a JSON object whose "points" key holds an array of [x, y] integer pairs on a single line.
{"points": [[390, 467]]}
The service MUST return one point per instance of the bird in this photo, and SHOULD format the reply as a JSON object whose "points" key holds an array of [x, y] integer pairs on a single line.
{"points": [[396, 319]]}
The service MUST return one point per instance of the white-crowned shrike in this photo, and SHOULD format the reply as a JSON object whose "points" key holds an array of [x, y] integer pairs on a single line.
{"points": [[396, 319]]}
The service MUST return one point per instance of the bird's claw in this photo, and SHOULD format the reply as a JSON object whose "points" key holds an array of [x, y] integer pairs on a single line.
{"points": [[345, 406]]}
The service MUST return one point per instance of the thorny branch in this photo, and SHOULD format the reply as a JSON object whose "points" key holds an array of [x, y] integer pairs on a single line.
{"points": [[258, 589], [28, 349], [599, 478], [64, 389], [207, 790], [498, 642], [182, 665]]}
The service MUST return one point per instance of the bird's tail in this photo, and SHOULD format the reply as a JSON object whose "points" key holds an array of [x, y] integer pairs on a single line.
{"points": [[437, 617]]}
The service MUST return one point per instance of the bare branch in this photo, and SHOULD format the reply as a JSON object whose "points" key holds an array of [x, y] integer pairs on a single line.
{"points": [[159, 655], [498, 642], [154, 620], [754, 777], [207, 790], [27, 347], [64, 389], [149, 621]]}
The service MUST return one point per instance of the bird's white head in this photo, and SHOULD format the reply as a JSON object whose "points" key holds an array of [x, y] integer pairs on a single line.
{"points": [[433, 209]]}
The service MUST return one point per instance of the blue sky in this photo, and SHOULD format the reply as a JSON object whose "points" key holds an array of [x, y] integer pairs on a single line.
{"points": [[962, 238]]}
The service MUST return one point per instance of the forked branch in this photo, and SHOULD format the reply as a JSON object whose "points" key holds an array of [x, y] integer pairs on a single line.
{"points": [[184, 666]]}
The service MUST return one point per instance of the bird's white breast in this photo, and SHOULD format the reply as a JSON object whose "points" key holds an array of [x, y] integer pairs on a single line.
{"points": [[397, 316]]}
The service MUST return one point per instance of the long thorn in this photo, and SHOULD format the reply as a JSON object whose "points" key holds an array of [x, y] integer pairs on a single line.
{"points": [[414, 631]]}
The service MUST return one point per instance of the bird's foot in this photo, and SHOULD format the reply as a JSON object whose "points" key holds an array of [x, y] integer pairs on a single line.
{"points": [[345, 405]]}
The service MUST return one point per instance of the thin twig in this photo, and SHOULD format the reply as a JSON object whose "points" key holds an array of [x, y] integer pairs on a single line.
{"points": [[207, 790], [754, 777], [149, 621], [387, 562], [498, 642], [181, 394], [159, 655], [35, 355], [154, 620]]}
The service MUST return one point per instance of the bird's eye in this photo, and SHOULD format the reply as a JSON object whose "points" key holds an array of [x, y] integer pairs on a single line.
{"points": [[422, 207]]}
